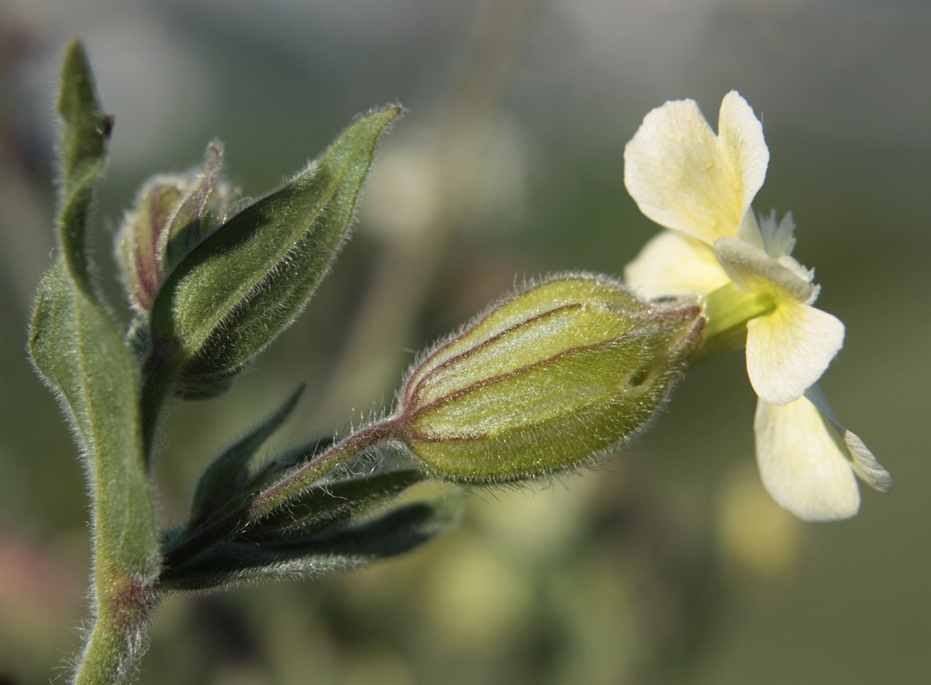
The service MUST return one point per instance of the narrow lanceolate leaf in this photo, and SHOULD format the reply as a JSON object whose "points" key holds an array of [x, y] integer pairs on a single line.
{"points": [[332, 503], [246, 282], [83, 154], [81, 355], [233, 563], [225, 481]]}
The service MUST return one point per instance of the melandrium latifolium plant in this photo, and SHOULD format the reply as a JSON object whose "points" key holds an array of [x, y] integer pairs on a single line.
{"points": [[546, 380]]}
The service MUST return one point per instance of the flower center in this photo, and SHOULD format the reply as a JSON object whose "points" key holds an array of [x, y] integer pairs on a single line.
{"points": [[727, 311]]}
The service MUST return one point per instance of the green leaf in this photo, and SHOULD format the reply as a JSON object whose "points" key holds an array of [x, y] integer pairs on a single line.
{"points": [[82, 150], [226, 480], [246, 282], [82, 357], [332, 503], [399, 531], [84, 360], [233, 563]]}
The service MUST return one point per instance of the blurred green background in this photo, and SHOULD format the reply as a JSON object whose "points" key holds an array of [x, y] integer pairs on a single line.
{"points": [[666, 565]]}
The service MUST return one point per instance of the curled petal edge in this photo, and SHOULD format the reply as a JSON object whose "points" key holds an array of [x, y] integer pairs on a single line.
{"points": [[865, 464]]}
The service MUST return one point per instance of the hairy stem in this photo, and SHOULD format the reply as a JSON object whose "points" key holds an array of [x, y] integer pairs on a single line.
{"points": [[118, 638]]}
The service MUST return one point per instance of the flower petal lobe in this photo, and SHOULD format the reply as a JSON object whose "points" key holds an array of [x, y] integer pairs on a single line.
{"points": [[802, 463], [686, 178], [865, 464], [789, 349], [674, 264]]}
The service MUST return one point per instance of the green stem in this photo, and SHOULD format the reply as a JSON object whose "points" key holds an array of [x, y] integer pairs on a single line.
{"points": [[118, 638], [303, 478]]}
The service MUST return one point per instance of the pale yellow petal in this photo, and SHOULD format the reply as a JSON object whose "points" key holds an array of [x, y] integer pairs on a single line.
{"points": [[674, 264], [865, 464], [789, 349], [802, 463], [686, 178], [740, 135]]}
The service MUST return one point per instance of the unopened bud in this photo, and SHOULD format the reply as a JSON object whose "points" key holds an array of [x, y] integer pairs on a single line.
{"points": [[172, 215], [549, 378]]}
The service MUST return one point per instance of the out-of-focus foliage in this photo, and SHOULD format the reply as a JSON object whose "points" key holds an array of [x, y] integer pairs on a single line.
{"points": [[670, 565]]}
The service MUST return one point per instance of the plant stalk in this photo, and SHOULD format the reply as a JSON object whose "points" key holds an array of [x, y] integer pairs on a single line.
{"points": [[119, 636]]}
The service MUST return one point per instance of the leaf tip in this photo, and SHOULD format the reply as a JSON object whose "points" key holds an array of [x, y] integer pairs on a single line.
{"points": [[76, 79]]}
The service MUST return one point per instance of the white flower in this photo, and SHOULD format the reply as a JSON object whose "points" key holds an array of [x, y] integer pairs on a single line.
{"points": [[700, 185]]}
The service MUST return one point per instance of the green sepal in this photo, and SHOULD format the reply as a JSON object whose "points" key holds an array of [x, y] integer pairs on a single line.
{"points": [[332, 503], [246, 282], [233, 563], [226, 481]]}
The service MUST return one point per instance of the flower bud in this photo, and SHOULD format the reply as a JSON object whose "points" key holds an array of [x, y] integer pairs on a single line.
{"points": [[172, 215], [547, 379]]}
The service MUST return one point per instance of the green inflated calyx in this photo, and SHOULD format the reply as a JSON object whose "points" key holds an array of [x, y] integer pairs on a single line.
{"points": [[546, 380]]}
